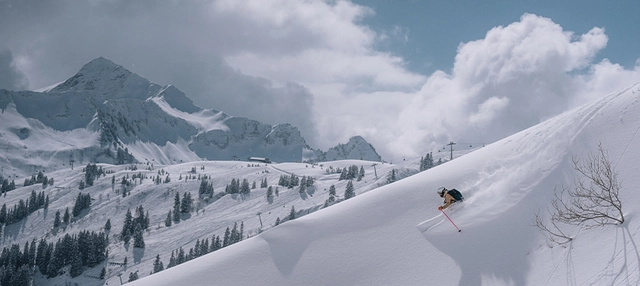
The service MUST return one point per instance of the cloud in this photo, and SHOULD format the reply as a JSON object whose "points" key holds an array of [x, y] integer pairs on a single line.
{"points": [[10, 76], [184, 44], [248, 58], [316, 65], [313, 42], [513, 78]]}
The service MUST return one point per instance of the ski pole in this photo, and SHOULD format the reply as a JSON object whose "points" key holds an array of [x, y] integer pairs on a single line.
{"points": [[445, 214]]}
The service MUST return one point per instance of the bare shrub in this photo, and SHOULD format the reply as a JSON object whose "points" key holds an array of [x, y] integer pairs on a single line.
{"points": [[593, 201], [552, 231]]}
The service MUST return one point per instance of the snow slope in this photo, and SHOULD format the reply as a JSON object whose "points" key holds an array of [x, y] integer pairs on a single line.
{"points": [[208, 219], [373, 239]]}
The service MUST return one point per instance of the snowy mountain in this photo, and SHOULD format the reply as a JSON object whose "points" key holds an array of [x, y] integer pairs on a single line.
{"points": [[394, 235], [357, 148], [105, 113]]}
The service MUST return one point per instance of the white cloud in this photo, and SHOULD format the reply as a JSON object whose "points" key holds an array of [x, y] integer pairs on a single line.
{"points": [[314, 64], [603, 78], [487, 111], [515, 77], [313, 42], [11, 77]]}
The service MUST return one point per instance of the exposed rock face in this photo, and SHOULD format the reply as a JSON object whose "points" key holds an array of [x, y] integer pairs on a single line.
{"points": [[127, 114]]}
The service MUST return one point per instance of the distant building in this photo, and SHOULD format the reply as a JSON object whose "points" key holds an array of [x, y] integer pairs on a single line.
{"points": [[259, 159]]}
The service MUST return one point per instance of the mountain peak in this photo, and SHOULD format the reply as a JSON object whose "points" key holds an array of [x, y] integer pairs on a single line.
{"points": [[357, 139], [107, 78], [357, 148], [103, 64]]}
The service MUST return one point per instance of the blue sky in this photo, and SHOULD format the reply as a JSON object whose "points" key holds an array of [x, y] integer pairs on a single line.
{"points": [[435, 28], [408, 76]]}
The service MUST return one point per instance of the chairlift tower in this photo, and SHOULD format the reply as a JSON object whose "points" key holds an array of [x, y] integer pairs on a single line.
{"points": [[451, 148], [71, 161], [374, 170], [259, 213]]}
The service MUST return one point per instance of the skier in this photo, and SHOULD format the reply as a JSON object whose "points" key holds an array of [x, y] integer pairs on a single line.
{"points": [[450, 197]]}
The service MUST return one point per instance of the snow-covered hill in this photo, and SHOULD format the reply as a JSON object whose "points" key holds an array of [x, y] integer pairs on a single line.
{"points": [[107, 114], [211, 216], [373, 239]]}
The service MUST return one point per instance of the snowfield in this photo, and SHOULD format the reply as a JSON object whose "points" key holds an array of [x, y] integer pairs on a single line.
{"points": [[389, 234], [373, 239]]}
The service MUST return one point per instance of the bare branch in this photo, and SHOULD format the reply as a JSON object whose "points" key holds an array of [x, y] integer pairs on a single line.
{"points": [[593, 201], [552, 232]]}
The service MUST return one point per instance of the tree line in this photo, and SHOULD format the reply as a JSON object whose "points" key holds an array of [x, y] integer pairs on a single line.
{"points": [[202, 247], [6, 185], [36, 179], [22, 209], [79, 251]]}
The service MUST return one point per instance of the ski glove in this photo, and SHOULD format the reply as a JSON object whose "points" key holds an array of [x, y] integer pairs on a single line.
{"points": [[440, 208]]}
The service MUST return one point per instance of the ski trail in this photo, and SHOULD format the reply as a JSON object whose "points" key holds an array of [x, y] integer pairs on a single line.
{"points": [[502, 182]]}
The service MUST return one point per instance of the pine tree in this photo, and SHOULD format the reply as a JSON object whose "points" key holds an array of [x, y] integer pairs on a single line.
{"points": [[303, 184], [41, 251], [235, 186], [310, 181], [352, 173], [392, 176], [332, 196], [66, 218], [103, 273], [181, 257], [82, 202], [186, 203], [227, 235], [349, 192], [3, 214], [172, 261], [270, 192], [126, 227], [176, 208], [292, 214], [428, 161], [234, 236], [277, 221], [204, 247], [203, 187], [245, 187], [107, 225], [56, 220], [76, 260], [196, 251], [157, 264], [33, 202], [343, 174], [138, 239], [167, 221], [133, 276], [361, 174]]}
